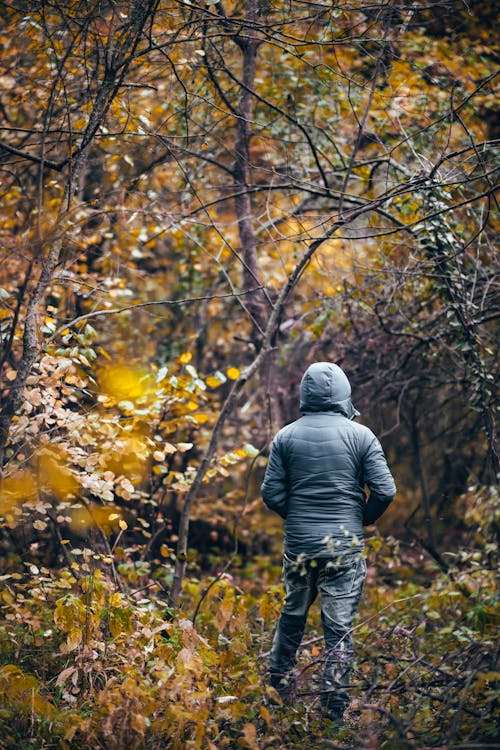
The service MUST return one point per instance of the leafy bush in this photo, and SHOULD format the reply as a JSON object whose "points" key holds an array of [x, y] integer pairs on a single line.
{"points": [[85, 665]]}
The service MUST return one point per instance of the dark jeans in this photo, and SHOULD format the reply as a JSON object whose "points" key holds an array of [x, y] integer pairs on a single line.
{"points": [[340, 583]]}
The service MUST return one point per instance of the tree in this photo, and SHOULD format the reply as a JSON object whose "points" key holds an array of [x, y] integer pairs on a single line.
{"points": [[198, 200]]}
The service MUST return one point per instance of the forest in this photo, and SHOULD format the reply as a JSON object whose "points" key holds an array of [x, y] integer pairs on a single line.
{"points": [[198, 201]]}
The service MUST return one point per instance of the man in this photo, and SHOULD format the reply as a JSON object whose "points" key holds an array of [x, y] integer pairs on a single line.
{"points": [[318, 469]]}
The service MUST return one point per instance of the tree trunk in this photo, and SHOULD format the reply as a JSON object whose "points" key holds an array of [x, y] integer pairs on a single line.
{"points": [[241, 171]]}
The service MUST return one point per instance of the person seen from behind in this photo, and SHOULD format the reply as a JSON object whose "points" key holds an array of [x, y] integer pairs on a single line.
{"points": [[319, 468]]}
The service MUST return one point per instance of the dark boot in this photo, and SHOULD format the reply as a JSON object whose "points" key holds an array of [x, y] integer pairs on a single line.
{"points": [[332, 708], [284, 684]]}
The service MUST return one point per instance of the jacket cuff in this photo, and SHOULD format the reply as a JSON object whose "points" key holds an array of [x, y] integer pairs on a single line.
{"points": [[373, 509]]}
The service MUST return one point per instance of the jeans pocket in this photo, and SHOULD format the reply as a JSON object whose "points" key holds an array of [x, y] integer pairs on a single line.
{"points": [[344, 580]]}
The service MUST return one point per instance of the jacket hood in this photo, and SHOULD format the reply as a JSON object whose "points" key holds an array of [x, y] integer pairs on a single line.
{"points": [[325, 387]]}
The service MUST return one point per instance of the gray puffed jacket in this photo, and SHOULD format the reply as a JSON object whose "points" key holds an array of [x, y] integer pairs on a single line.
{"points": [[319, 467]]}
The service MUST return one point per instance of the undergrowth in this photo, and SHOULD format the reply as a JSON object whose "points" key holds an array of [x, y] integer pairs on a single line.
{"points": [[87, 665]]}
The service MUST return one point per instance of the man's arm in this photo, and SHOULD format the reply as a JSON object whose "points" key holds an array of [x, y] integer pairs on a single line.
{"points": [[380, 482], [274, 487]]}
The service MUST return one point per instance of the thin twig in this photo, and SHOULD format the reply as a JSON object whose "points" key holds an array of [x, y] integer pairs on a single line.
{"points": [[126, 308]]}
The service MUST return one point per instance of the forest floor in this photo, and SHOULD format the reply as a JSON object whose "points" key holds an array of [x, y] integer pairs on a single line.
{"points": [[87, 665]]}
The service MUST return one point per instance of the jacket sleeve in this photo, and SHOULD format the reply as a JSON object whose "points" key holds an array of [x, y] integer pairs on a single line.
{"points": [[274, 487], [379, 481]]}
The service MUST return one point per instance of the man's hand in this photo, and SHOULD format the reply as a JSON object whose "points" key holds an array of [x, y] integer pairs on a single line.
{"points": [[373, 509]]}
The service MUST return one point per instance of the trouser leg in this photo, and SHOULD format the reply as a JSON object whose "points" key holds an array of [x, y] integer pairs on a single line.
{"points": [[301, 590], [341, 589]]}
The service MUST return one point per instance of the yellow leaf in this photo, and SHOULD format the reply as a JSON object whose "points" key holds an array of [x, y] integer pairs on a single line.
{"points": [[124, 383], [74, 639], [201, 418], [122, 524], [215, 380], [116, 600], [138, 723], [105, 354], [233, 373], [185, 358], [265, 715]]}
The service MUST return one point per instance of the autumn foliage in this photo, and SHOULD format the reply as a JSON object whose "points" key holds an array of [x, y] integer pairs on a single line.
{"points": [[198, 201]]}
